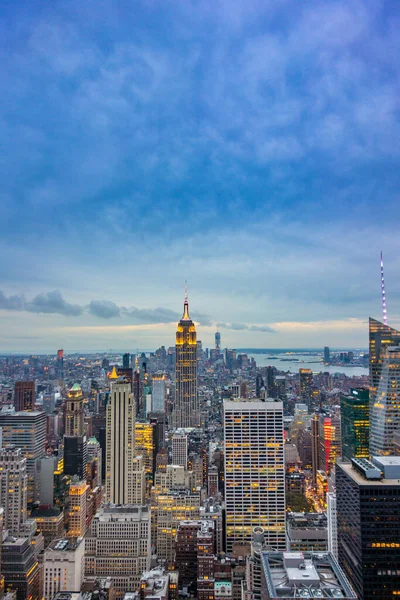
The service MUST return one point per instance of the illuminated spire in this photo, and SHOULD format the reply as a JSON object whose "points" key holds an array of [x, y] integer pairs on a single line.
{"points": [[186, 305], [383, 293], [114, 374]]}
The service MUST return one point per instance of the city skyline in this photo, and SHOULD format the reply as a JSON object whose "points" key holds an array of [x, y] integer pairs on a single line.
{"points": [[249, 147]]}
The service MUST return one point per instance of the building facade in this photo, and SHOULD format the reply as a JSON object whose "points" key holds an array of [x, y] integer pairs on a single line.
{"points": [[24, 395], [63, 566], [368, 525], [254, 471], [354, 412], [186, 410], [13, 488]]}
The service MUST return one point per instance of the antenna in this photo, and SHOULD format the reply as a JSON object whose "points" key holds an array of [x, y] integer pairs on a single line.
{"points": [[383, 293], [186, 291]]}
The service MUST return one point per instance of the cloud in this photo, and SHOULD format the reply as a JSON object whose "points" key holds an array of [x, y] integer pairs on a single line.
{"points": [[11, 302], [149, 315], [53, 303], [104, 309], [244, 327]]}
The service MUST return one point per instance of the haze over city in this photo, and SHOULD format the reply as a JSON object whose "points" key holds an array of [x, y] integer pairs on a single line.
{"points": [[249, 147]]}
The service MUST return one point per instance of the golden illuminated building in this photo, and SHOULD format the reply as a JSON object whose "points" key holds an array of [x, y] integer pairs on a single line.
{"points": [[186, 410], [78, 499], [172, 508], [146, 446], [74, 412]]}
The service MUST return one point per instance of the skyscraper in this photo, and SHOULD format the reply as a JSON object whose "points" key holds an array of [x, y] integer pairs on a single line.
{"points": [[354, 411], [125, 476], [26, 430], [306, 383], [329, 442], [13, 488], [380, 337], [327, 355], [74, 411], [217, 342], [158, 393], [368, 525], [385, 416], [254, 471], [180, 449], [24, 395], [126, 360], [60, 364], [186, 411]]}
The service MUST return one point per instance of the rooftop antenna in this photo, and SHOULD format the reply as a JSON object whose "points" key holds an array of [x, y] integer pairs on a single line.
{"points": [[383, 293]]}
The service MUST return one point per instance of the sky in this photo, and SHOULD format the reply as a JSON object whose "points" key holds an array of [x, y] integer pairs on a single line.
{"points": [[250, 147]]}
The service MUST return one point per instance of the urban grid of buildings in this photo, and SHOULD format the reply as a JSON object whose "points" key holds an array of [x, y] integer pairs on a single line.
{"points": [[191, 472]]}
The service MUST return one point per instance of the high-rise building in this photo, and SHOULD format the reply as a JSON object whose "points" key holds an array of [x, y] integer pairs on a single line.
{"points": [[60, 364], [118, 545], [158, 393], [21, 568], [270, 383], [186, 410], [93, 465], [126, 360], [125, 476], [327, 355], [78, 500], [331, 514], [380, 337], [306, 384], [354, 412], [26, 430], [75, 455], [173, 508], [368, 525], [145, 442], [217, 342], [13, 488], [74, 411], [254, 471], [63, 566], [180, 449], [329, 442], [315, 442], [385, 415], [24, 395]]}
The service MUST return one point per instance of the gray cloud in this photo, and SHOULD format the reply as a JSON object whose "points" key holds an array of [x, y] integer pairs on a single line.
{"points": [[244, 327], [104, 309], [151, 315], [11, 302], [53, 303], [201, 319]]}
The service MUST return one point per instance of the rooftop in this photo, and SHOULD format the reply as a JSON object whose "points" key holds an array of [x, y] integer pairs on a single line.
{"points": [[304, 575], [360, 479]]}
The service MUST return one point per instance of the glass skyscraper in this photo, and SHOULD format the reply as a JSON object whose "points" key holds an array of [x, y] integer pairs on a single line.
{"points": [[354, 410]]}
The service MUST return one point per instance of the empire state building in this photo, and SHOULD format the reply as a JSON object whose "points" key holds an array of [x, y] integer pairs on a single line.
{"points": [[186, 413]]}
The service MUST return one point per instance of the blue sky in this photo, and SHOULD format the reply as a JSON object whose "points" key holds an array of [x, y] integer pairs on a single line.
{"points": [[251, 147]]}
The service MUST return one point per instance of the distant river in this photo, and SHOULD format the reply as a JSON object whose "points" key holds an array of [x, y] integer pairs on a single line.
{"points": [[304, 362]]}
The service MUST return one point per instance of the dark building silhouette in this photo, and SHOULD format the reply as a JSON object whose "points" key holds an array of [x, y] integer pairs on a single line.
{"points": [[24, 395]]}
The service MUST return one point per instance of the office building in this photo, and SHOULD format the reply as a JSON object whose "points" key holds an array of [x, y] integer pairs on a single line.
{"points": [[307, 531], [327, 355], [26, 430], [254, 471], [315, 444], [385, 415], [180, 449], [158, 393], [368, 525], [331, 514], [21, 569], [125, 476], [155, 585], [60, 365], [217, 342], [50, 522], [13, 488], [173, 507], [186, 410], [126, 361], [118, 545], [186, 552], [75, 456], [329, 442], [24, 395], [63, 566], [78, 508], [306, 385], [286, 575], [93, 465], [270, 386], [74, 412], [354, 411]]}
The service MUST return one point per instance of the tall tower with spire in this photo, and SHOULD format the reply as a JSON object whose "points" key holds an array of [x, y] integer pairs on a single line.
{"points": [[186, 412]]}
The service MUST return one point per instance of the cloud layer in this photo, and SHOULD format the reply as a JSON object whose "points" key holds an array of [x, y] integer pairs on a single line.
{"points": [[251, 147]]}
